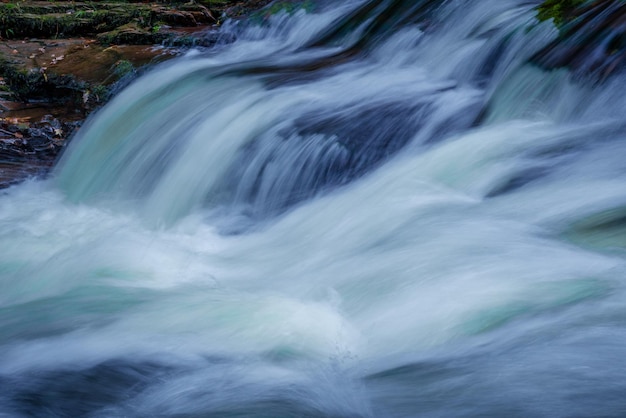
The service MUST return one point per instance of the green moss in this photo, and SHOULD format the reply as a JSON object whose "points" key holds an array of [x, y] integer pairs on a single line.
{"points": [[97, 94], [560, 11], [123, 67]]}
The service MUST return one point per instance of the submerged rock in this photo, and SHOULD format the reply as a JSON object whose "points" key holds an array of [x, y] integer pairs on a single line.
{"points": [[591, 42]]}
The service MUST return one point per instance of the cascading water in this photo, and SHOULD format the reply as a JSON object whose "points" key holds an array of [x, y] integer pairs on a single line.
{"points": [[380, 208]]}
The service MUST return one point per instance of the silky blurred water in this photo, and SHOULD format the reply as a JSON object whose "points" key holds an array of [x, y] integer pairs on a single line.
{"points": [[373, 209]]}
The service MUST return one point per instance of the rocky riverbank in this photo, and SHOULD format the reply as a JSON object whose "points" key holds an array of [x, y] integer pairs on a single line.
{"points": [[61, 60]]}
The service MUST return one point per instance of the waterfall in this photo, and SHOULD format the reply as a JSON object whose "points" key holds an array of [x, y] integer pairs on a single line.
{"points": [[386, 208]]}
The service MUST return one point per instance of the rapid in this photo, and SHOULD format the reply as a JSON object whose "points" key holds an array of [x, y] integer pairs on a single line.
{"points": [[358, 209]]}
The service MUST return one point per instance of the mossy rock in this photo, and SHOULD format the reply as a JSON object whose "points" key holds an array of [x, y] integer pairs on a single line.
{"points": [[38, 85], [68, 20], [132, 34], [560, 11], [591, 41]]}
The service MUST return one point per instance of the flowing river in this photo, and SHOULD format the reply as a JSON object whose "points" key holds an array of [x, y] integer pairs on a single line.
{"points": [[364, 208]]}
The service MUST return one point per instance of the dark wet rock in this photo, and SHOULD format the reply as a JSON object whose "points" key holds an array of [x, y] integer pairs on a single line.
{"points": [[244, 8], [45, 136], [592, 44], [80, 391], [339, 150], [377, 17], [29, 149], [179, 18]]}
